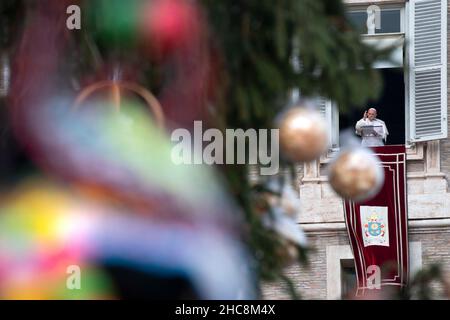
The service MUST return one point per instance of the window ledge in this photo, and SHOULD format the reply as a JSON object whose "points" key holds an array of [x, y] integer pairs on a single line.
{"points": [[369, 2], [414, 151], [392, 36], [412, 175], [422, 175]]}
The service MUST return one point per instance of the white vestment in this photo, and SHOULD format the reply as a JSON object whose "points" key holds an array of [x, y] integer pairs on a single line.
{"points": [[376, 140]]}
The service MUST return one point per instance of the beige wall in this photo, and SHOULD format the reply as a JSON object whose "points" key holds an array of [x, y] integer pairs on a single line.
{"points": [[431, 245]]}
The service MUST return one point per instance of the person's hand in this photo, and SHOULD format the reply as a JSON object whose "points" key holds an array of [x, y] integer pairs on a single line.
{"points": [[365, 115]]}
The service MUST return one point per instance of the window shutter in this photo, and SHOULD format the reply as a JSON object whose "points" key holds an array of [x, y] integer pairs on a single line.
{"points": [[428, 70], [322, 106], [329, 112]]}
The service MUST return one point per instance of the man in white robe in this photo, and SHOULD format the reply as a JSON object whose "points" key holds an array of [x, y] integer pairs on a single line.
{"points": [[375, 136]]}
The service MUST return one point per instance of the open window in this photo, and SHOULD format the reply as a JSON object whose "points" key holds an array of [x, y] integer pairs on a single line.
{"points": [[390, 106], [348, 278], [413, 102], [389, 32]]}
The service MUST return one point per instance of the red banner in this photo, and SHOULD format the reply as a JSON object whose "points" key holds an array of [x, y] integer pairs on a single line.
{"points": [[378, 229]]}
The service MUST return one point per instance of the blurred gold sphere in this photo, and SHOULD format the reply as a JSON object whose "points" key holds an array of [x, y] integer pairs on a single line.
{"points": [[303, 134], [356, 175]]}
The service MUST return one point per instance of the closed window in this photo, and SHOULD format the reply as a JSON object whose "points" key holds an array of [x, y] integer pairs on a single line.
{"points": [[390, 21]]}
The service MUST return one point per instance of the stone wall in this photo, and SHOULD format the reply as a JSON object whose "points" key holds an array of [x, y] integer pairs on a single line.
{"points": [[311, 281]]}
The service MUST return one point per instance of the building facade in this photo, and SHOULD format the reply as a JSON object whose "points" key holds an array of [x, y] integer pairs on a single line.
{"points": [[417, 100]]}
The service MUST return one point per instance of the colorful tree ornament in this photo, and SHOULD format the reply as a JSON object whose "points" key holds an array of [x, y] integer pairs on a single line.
{"points": [[169, 25], [303, 134], [356, 175], [114, 23]]}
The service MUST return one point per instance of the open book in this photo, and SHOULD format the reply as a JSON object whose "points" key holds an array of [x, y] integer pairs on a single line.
{"points": [[372, 131]]}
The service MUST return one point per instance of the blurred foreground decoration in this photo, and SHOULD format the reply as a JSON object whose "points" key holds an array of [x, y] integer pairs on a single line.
{"points": [[355, 174], [5, 74], [136, 223], [140, 223], [47, 230], [431, 282], [116, 89], [303, 134]]}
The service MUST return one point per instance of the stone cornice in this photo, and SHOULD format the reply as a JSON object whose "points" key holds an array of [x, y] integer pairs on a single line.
{"points": [[414, 226]]}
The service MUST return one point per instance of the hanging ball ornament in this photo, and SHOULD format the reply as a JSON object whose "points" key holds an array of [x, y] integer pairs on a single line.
{"points": [[118, 92], [114, 23], [303, 134], [169, 24], [356, 174]]}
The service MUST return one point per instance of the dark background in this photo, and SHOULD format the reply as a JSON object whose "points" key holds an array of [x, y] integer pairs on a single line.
{"points": [[390, 107]]}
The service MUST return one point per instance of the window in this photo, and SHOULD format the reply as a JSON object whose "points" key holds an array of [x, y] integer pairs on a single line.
{"points": [[390, 32], [414, 99], [348, 279], [390, 106], [330, 112], [390, 20]]}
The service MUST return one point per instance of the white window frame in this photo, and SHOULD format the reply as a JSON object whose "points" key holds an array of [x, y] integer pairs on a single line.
{"points": [[409, 94], [332, 117], [363, 8]]}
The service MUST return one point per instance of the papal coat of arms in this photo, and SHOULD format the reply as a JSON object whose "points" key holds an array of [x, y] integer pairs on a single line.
{"points": [[374, 223]]}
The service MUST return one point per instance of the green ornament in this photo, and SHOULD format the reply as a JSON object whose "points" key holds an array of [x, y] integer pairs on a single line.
{"points": [[114, 23]]}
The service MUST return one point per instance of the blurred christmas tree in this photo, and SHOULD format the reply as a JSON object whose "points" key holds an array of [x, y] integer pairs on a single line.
{"points": [[261, 50]]}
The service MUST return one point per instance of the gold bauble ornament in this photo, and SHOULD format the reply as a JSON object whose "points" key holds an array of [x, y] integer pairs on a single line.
{"points": [[303, 134], [356, 174]]}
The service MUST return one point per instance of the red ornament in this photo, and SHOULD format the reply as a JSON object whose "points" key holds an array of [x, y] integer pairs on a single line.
{"points": [[169, 25]]}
